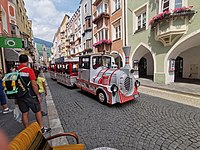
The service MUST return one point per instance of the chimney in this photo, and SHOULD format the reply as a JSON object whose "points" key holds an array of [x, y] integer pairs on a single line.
{"points": [[126, 50]]}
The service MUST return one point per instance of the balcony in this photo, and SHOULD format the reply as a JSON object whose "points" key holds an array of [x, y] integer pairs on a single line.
{"points": [[103, 45], [100, 17], [0, 15], [71, 41], [101, 42], [88, 29], [67, 44], [88, 50], [96, 2], [169, 26]]}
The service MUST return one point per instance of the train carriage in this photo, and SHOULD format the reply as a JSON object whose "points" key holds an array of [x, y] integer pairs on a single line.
{"points": [[99, 75], [52, 71], [65, 72]]}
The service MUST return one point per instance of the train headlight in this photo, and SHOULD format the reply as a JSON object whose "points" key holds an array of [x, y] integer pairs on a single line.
{"points": [[114, 88], [137, 83], [131, 71]]}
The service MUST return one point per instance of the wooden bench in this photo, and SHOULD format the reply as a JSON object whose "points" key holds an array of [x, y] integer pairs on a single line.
{"points": [[25, 139]]}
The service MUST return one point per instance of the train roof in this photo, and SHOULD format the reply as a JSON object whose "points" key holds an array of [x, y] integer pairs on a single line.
{"points": [[73, 59], [95, 54]]}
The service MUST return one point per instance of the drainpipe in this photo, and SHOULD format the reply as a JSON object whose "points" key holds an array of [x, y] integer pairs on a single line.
{"points": [[125, 42]]}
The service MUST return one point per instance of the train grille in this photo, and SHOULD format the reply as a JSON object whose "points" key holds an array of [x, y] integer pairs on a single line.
{"points": [[127, 84]]}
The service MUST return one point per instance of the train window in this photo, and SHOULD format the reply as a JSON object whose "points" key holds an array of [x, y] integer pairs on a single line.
{"points": [[75, 67], [84, 63], [98, 61], [67, 68], [107, 61]]}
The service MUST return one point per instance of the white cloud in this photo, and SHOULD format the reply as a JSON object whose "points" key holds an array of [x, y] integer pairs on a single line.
{"points": [[46, 18]]}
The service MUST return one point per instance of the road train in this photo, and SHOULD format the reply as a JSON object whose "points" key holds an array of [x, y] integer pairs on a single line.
{"points": [[65, 72], [97, 74]]}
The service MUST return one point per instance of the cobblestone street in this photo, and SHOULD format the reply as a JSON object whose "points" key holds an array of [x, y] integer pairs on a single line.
{"points": [[148, 123]]}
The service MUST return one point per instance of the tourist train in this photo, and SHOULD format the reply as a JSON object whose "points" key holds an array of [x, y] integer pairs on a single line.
{"points": [[65, 72], [99, 75]]}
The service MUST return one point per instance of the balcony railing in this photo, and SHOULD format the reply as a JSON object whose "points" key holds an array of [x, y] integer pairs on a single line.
{"points": [[170, 25], [101, 16]]}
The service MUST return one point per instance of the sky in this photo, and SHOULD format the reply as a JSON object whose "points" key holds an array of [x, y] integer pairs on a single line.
{"points": [[47, 15]]}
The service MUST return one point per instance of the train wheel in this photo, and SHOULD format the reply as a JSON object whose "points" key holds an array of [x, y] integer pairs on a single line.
{"points": [[102, 97]]}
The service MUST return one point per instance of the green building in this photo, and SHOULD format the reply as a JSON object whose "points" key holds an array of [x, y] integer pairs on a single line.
{"points": [[165, 39]]}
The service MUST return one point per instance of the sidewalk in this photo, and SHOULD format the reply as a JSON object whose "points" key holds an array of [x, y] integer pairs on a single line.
{"points": [[8, 123], [11, 127], [187, 88]]}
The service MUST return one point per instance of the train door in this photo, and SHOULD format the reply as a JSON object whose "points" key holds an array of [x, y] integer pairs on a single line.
{"points": [[84, 68]]}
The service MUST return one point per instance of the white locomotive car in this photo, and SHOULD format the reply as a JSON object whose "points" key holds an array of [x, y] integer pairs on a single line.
{"points": [[99, 75]]}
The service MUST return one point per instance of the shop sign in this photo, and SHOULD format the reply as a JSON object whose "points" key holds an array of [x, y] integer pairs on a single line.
{"points": [[8, 42]]}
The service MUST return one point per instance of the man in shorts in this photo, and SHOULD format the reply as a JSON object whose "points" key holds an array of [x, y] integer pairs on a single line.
{"points": [[31, 100]]}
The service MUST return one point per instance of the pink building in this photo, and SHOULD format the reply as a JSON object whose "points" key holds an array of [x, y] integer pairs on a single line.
{"points": [[4, 18]]}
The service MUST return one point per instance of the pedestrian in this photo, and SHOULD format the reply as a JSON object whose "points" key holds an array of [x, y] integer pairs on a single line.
{"points": [[3, 97], [31, 100], [42, 89]]}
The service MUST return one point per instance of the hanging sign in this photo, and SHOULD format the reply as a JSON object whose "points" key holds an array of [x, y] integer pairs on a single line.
{"points": [[10, 42]]}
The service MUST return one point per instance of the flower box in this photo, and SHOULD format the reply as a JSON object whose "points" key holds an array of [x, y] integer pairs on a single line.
{"points": [[170, 13], [104, 41]]}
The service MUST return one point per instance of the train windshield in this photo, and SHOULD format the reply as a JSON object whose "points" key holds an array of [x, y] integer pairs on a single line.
{"points": [[98, 61]]}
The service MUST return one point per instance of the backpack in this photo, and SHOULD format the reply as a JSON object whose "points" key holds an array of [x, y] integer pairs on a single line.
{"points": [[14, 85]]}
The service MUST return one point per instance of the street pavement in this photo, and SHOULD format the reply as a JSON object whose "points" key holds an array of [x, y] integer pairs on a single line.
{"points": [[8, 123], [148, 123], [11, 127]]}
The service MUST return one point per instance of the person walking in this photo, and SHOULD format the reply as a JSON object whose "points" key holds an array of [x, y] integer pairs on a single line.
{"points": [[3, 97], [31, 100], [42, 89]]}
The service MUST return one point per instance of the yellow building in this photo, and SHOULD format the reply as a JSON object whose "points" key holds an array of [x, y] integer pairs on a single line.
{"points": [[63, 34], [24, 25]]}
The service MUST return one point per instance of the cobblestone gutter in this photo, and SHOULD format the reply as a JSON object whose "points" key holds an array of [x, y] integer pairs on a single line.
{"points": [[54, 121]]}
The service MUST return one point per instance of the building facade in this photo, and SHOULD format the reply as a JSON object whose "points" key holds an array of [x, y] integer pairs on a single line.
{"points": [[108, 28], [24, 25], [14, 24], [4, 30], [63, 44], [74, 35], [164, 36], [86, 26]]}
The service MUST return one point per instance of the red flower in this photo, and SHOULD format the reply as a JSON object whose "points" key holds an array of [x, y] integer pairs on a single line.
{"points": [[162, 15], [105, 41]]}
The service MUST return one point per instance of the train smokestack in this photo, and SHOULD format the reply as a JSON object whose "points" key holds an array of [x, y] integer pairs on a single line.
{"points": [[127, 50]]}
